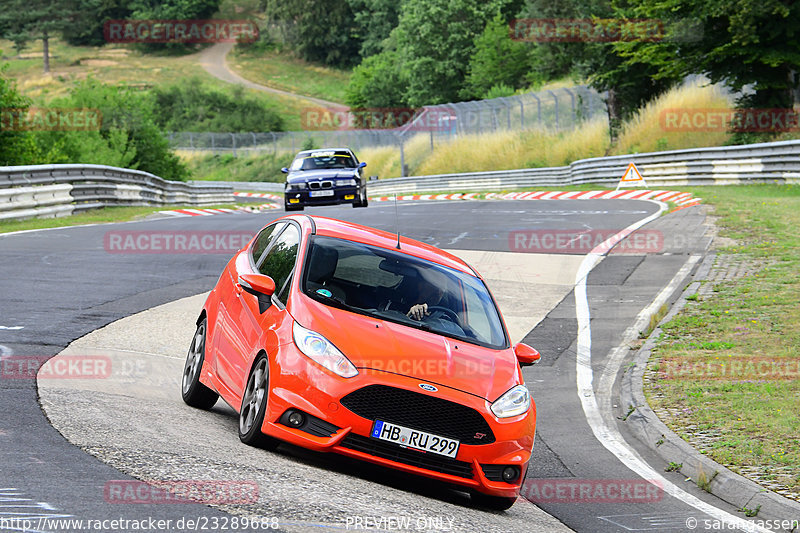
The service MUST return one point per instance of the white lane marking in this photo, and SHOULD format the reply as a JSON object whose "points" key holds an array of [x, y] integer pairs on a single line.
{"points": [[610, 438], [5, 351], [456, 239], [12, 328]]}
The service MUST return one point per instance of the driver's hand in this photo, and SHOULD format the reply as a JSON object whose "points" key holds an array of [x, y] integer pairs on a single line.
{"points": [[418, 311]]}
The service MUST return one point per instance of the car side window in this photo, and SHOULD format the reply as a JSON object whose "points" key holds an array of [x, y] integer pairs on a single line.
{"points": [[279, 261], [263, 239]]}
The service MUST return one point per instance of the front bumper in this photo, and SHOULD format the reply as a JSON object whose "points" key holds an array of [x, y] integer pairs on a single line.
{"points": [[299, 383], [338, 195]]}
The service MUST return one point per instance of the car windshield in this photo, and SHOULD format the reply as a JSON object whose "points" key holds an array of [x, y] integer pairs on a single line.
{"points": [[387, 284], [323, 160]]}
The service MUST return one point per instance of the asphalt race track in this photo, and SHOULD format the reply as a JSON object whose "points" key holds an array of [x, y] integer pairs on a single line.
{"points": [[60, 285]]}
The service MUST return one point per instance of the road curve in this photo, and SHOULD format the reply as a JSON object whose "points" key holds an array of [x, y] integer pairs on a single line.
{"points": [[59, 285], [214, 60]]}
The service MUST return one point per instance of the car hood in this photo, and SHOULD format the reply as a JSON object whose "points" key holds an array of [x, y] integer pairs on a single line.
{"points": [[306, 175], [376, 345]]}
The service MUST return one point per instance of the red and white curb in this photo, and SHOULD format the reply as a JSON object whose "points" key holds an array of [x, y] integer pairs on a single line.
{"points": [[267, 195], [200, 212], [683, 199]]}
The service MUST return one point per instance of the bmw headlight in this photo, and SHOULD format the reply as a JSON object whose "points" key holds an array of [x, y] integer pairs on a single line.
{"points": [[342, 183], [322, 351], [295, 186], [515, 402]]}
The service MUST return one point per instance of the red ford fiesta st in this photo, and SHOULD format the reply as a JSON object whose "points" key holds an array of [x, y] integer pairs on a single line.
{"points": [[342, 338]]}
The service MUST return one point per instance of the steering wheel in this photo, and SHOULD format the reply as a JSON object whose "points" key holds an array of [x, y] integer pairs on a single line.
{"points": [[448, 313]]}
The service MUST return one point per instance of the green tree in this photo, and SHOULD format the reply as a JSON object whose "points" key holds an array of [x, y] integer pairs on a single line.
{"points": [[129, 132], [193, 107], [374, 21], [26, 20], [629, 83], [497, 61], [16, 147], [87, 29], [435, 39], [171, 10], [320, 30], [377, 82], [744, 43]]}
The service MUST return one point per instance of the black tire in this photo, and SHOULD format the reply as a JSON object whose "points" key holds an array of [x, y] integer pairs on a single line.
{"points": [[363, 200], [193, 392], [492, 503], [254, 405]]}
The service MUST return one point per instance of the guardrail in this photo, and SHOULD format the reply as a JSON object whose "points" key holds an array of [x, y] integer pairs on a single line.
{"points": [[777, 162], [61, 190]]}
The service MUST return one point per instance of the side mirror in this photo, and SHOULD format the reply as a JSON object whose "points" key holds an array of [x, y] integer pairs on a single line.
{"points": [[257, 284], [526, 355], [362, 164], [285, 170]]}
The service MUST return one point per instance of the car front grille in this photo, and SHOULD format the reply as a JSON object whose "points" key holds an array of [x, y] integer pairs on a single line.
{"points": [[393, 452], [420, 411]]}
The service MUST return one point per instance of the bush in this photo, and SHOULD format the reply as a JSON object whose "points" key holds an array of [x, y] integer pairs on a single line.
{"points": [[128, 136], [193, 107]]}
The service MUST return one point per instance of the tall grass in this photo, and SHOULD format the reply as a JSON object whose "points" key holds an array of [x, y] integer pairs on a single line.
{"points": [[505, 150], [646, 131]]}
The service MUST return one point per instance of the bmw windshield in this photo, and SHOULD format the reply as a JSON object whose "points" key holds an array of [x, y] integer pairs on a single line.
{"points": [[400, 288], [323, 160]]}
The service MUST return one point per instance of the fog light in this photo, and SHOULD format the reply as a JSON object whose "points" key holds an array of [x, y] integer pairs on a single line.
{"points": [[510, 473], [296, 419]]}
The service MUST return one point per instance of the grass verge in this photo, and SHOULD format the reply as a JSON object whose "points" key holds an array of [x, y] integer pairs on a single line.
{"points": [[727, 368], [94, 216], [283, 71], [115, 64]]}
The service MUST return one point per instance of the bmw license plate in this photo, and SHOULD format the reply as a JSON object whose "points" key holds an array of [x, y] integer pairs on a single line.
{"points": [[412, 438], [321, 193]]}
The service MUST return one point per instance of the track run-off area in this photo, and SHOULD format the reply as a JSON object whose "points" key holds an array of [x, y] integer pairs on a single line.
{"points": [[576, 280]]}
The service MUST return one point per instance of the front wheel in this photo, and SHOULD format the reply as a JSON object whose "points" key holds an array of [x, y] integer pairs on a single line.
{"points": [[254, 406], [193, 392], [363, 200], [492, 503]]}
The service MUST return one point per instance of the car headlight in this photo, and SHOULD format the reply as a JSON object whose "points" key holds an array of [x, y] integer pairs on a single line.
{"points": [[350, 182], [322, 351], [514, 402], [295, 186]]}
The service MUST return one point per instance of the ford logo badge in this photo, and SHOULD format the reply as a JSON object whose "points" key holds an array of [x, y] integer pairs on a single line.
{"points": [[429, 388]]}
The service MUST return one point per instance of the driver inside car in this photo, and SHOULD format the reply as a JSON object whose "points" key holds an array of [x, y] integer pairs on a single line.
{"points": [[422, 292]]}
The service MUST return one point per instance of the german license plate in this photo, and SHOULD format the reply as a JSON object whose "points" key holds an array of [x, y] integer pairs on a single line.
{"points": [[314, 194], [412, 438]]}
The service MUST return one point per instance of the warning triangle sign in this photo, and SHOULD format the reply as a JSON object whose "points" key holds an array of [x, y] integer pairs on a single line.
{"points": [[631, 178]]}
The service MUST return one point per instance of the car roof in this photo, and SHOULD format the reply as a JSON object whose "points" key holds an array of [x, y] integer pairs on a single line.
{"points": [[331, 227], [304, 152]]}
